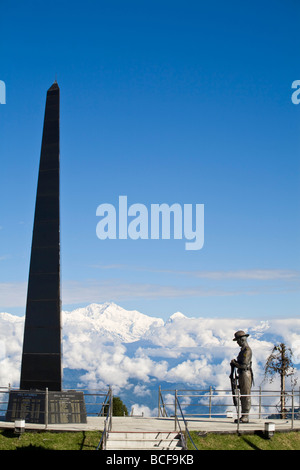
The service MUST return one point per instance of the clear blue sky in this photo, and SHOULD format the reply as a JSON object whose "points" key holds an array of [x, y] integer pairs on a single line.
{"points": [[162, 101]]}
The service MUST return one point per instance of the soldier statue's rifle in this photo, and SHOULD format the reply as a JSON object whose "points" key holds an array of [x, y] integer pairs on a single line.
{"points": [[234, 385]]}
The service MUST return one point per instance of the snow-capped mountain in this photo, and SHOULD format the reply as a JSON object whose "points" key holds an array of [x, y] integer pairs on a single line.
{"points": [[109, 321]]}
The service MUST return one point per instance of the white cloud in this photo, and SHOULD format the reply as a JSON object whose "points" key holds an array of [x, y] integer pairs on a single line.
{"points": [[142, 410], [13, 294], [256, 274], [243, 274], [141, 390], [196, 372]]}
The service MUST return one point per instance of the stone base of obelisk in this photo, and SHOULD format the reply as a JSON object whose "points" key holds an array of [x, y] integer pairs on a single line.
{"points": [[46, 407]]}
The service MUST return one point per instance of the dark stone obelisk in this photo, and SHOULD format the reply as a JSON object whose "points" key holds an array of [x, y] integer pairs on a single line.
{"points": [[40, 398], [41, 359]]}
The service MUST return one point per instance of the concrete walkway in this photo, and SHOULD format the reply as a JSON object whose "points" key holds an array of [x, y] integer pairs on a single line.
{"points": [[140, 424]]}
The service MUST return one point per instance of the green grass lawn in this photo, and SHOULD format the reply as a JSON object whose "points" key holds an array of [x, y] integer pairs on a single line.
{"points": [[88, 440], [85, 440], [280, 441]]}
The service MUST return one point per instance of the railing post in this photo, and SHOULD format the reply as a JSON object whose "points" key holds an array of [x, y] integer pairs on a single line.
{"points": [[293, 409], [259, 406], [175, 411], [210, 398], [46, 407], [111, 408], [159, 392], [238, 411]]}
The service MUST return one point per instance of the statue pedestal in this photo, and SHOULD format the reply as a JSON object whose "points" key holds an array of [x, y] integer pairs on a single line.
{"points": [[46, 407]]}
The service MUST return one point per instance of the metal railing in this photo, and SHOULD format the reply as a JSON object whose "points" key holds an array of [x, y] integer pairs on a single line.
{"points": [[108, 404], [212, 403], [177, 424]]}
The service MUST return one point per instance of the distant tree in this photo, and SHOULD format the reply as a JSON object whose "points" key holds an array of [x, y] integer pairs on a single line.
{"points": [[118, 408], [280, 362]]}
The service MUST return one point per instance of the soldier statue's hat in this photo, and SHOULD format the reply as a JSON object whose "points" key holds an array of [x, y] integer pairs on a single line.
{"points": [[239, 334]]}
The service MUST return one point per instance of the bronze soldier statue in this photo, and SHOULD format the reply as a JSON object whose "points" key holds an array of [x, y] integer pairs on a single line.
{"points": [[243, 364]]}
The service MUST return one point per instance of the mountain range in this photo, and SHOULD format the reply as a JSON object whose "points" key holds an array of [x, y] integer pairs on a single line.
{"points": [[104, 344]]}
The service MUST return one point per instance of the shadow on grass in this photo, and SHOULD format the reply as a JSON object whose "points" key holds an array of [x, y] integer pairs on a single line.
{"points": [[260, 434], [32, 447], [83, 440], [9, 434], [251, 444]]}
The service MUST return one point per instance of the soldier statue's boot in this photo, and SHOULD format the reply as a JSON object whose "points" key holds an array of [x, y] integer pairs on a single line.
{"points": [[243, 419]]}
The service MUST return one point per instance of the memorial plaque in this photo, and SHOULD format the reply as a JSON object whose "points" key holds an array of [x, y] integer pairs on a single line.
{"points": [[29, 406], [66, 407], [63, 407]]}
